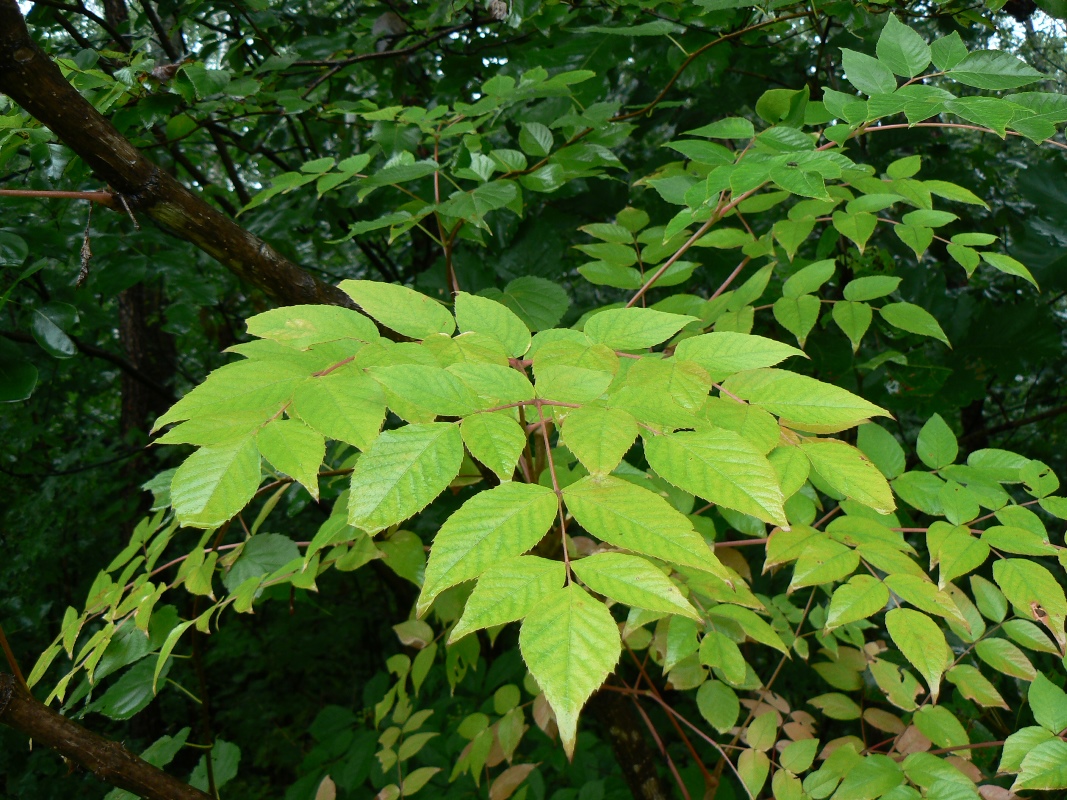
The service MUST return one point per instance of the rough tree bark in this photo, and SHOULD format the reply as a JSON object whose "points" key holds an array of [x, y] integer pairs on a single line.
{"points": [[107, 760], [30, 78]]}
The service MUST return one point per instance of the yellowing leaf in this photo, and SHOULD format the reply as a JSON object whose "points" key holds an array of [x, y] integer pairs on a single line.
{"points": [[720, 466], [399, 308], [509, 591], [305, 325], [634, 581], [215, 483], [293, 448], [492, 526], [921, 642], [802, 402], [634, 328], [724, 353], [570, 643], [480, 314], [599, 437], [402, 472], [847, 470], [496, 440]]}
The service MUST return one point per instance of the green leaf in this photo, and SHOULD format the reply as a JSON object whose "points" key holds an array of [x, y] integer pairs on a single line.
{"points": [[634, 581], [475, 204], [951, 191], [802, 402], [1005, 657], [535, 139], [303, 326], [913, 319], [975, 686], [1048, 702], [482, 315], [993, 69], [432, 390], [871, 288], [570, 643], [856, 226], [599, 437], [404, 310], [966, 257], [882, 448], [1044, 767], [728, 128], [960, 553], [634, 328], [862, 597], [539, 303], [854, 319], [921, 642], [493, 525], [724, 353], [809, 279], [48, 324], [937, 445], [792, 233], [294, 449], [345, 405], [508, 591], [718, 704], [18, 377], [629, 516], [797, 315], [901, 49], [720, 466], [260, 556], [917, 237], [1018, 744], [719, 651], [867, 74], [402, 472], [1031, 589], [1009, 266], [751, 623], [753, 767], [948, 51], [496, 440], [215, 483], [845, 469], [798, 756]]}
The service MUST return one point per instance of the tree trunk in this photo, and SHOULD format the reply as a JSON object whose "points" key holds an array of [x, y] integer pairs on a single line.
{"points": [[107, 760], [621, 727]]}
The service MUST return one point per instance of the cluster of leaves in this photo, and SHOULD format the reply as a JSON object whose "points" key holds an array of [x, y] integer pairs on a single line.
{"points": [[557, 470]]}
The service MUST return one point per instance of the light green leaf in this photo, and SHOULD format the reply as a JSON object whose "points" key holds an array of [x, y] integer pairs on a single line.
{"points": [[482, 315], [862, 597], [754, 626], [507, 592], [802, 402], [993, 69], [728, 128], [871, 288], [399, 308], [921, 642], [724, 353], [797, 315], [345, 405], [402, 472], [1009, 266], [753, 767], [599, 437], [937, 445], [1048, 703], [913, 319], [1031, 589], [975, 686], [295, 449], [856, 226], [720, 466], [854, 319], [960, 553], [634, 328], [845, 469], [867, 74], [435, 390], [634, 581], [570, 643], [809, 279], [1044, 767], [948, 51], [719, 651], [882, 448], [493, 525], [629, 516], [917, 237], [496, 440], [901, 49], [1005, 657], [303, 326], [539, 303], [718, 704], [215, 483]]}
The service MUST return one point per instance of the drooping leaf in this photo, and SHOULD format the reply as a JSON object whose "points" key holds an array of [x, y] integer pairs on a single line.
{"points": [[215, 483], [724, 353], [480, 314], [295, 449], [845, 469], [921, 642], [303, 326], [570, 643], [634, 328], [599, 437], [508, 591], [495, 439], [399, 308]]}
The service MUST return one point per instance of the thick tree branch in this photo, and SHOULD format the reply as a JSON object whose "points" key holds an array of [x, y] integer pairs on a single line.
{"points": [[33, 81], [107, 760], [1016, 423]]}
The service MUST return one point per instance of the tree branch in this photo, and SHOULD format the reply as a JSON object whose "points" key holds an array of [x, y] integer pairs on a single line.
{"points": [[31, 79], [107, 760], [1017, 423]]}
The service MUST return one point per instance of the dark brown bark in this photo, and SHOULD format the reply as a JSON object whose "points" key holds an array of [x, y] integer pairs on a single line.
{"points": [[30, 78], [623, 730], [107, 760]]}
